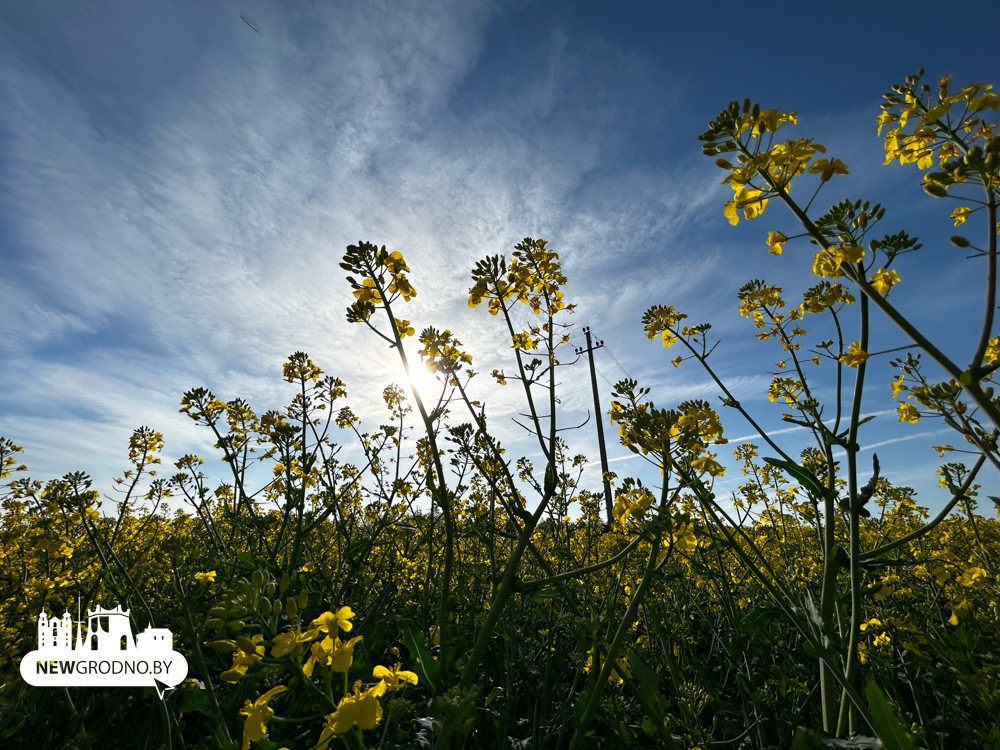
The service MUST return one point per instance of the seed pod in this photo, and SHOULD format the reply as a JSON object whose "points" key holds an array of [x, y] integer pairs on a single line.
{"points": [[219, 611], [258, 578], [974, 156], [246, 645], [216, 623], [283, 583], [291, 609], [236, 624], [223, 647], [303, 599]]}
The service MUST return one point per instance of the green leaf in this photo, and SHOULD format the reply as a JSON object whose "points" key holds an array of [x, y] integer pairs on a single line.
{"points": [[195, 700], [245, 559], [426, 666], [810, 649], [581, 705], [649, 686], [887, 725], [759, 618], [804, 477], [541, 596]]}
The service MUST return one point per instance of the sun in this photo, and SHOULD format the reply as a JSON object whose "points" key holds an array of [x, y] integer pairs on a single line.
{"points": [[426, 384]]}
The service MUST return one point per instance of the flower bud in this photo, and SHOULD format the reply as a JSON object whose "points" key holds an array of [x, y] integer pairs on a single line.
{"points": [[246, 645], [223, 647], [236, 624], [265, 606], [219, 611], [283, 583], [258, 578], [959, 241], [935, 190], [291, 609], [303, 599], [216, 623]]}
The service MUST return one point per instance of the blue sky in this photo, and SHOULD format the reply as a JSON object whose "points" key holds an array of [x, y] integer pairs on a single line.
{"points": [[176, 191]]}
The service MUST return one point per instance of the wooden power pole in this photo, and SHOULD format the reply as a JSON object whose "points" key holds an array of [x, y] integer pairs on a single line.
{"points": [[608, 501]]}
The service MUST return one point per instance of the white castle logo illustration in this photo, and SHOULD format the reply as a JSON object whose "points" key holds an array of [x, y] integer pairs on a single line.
{"points": [[107, 654]]}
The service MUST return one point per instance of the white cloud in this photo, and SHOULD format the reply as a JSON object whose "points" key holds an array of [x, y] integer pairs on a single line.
{"points": [[203, 249]]}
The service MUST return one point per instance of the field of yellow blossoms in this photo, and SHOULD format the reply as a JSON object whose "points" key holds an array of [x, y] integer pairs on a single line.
{"points": [[435, 591]]}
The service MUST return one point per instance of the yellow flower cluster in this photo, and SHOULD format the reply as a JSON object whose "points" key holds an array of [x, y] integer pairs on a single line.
{"points": [[661, 321], [534, 278], [827, 263], [441, 352]]}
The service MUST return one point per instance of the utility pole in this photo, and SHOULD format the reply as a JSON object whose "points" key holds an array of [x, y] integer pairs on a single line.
{"points": [[600, 420]]}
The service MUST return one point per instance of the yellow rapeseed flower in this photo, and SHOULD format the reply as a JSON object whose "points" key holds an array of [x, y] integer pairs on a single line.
{"points": [[855, 356], [775, 242], [394, 678], [342, 654], [992, 351], [358, 709], [341, 618], [258, 714], [709, 465], [897, 386], [883, 281], [972, 576], [286, 643], [960, 214]]}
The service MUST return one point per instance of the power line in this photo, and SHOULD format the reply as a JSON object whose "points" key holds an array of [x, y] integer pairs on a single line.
{"points": [[620, 367], [602, 376]]}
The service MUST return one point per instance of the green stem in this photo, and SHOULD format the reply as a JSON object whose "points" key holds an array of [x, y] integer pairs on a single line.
{"points": [[199, 657], [580, 735]]}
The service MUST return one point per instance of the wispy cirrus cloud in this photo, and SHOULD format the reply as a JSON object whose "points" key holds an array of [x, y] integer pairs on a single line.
{"points": [[196, 240]]}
